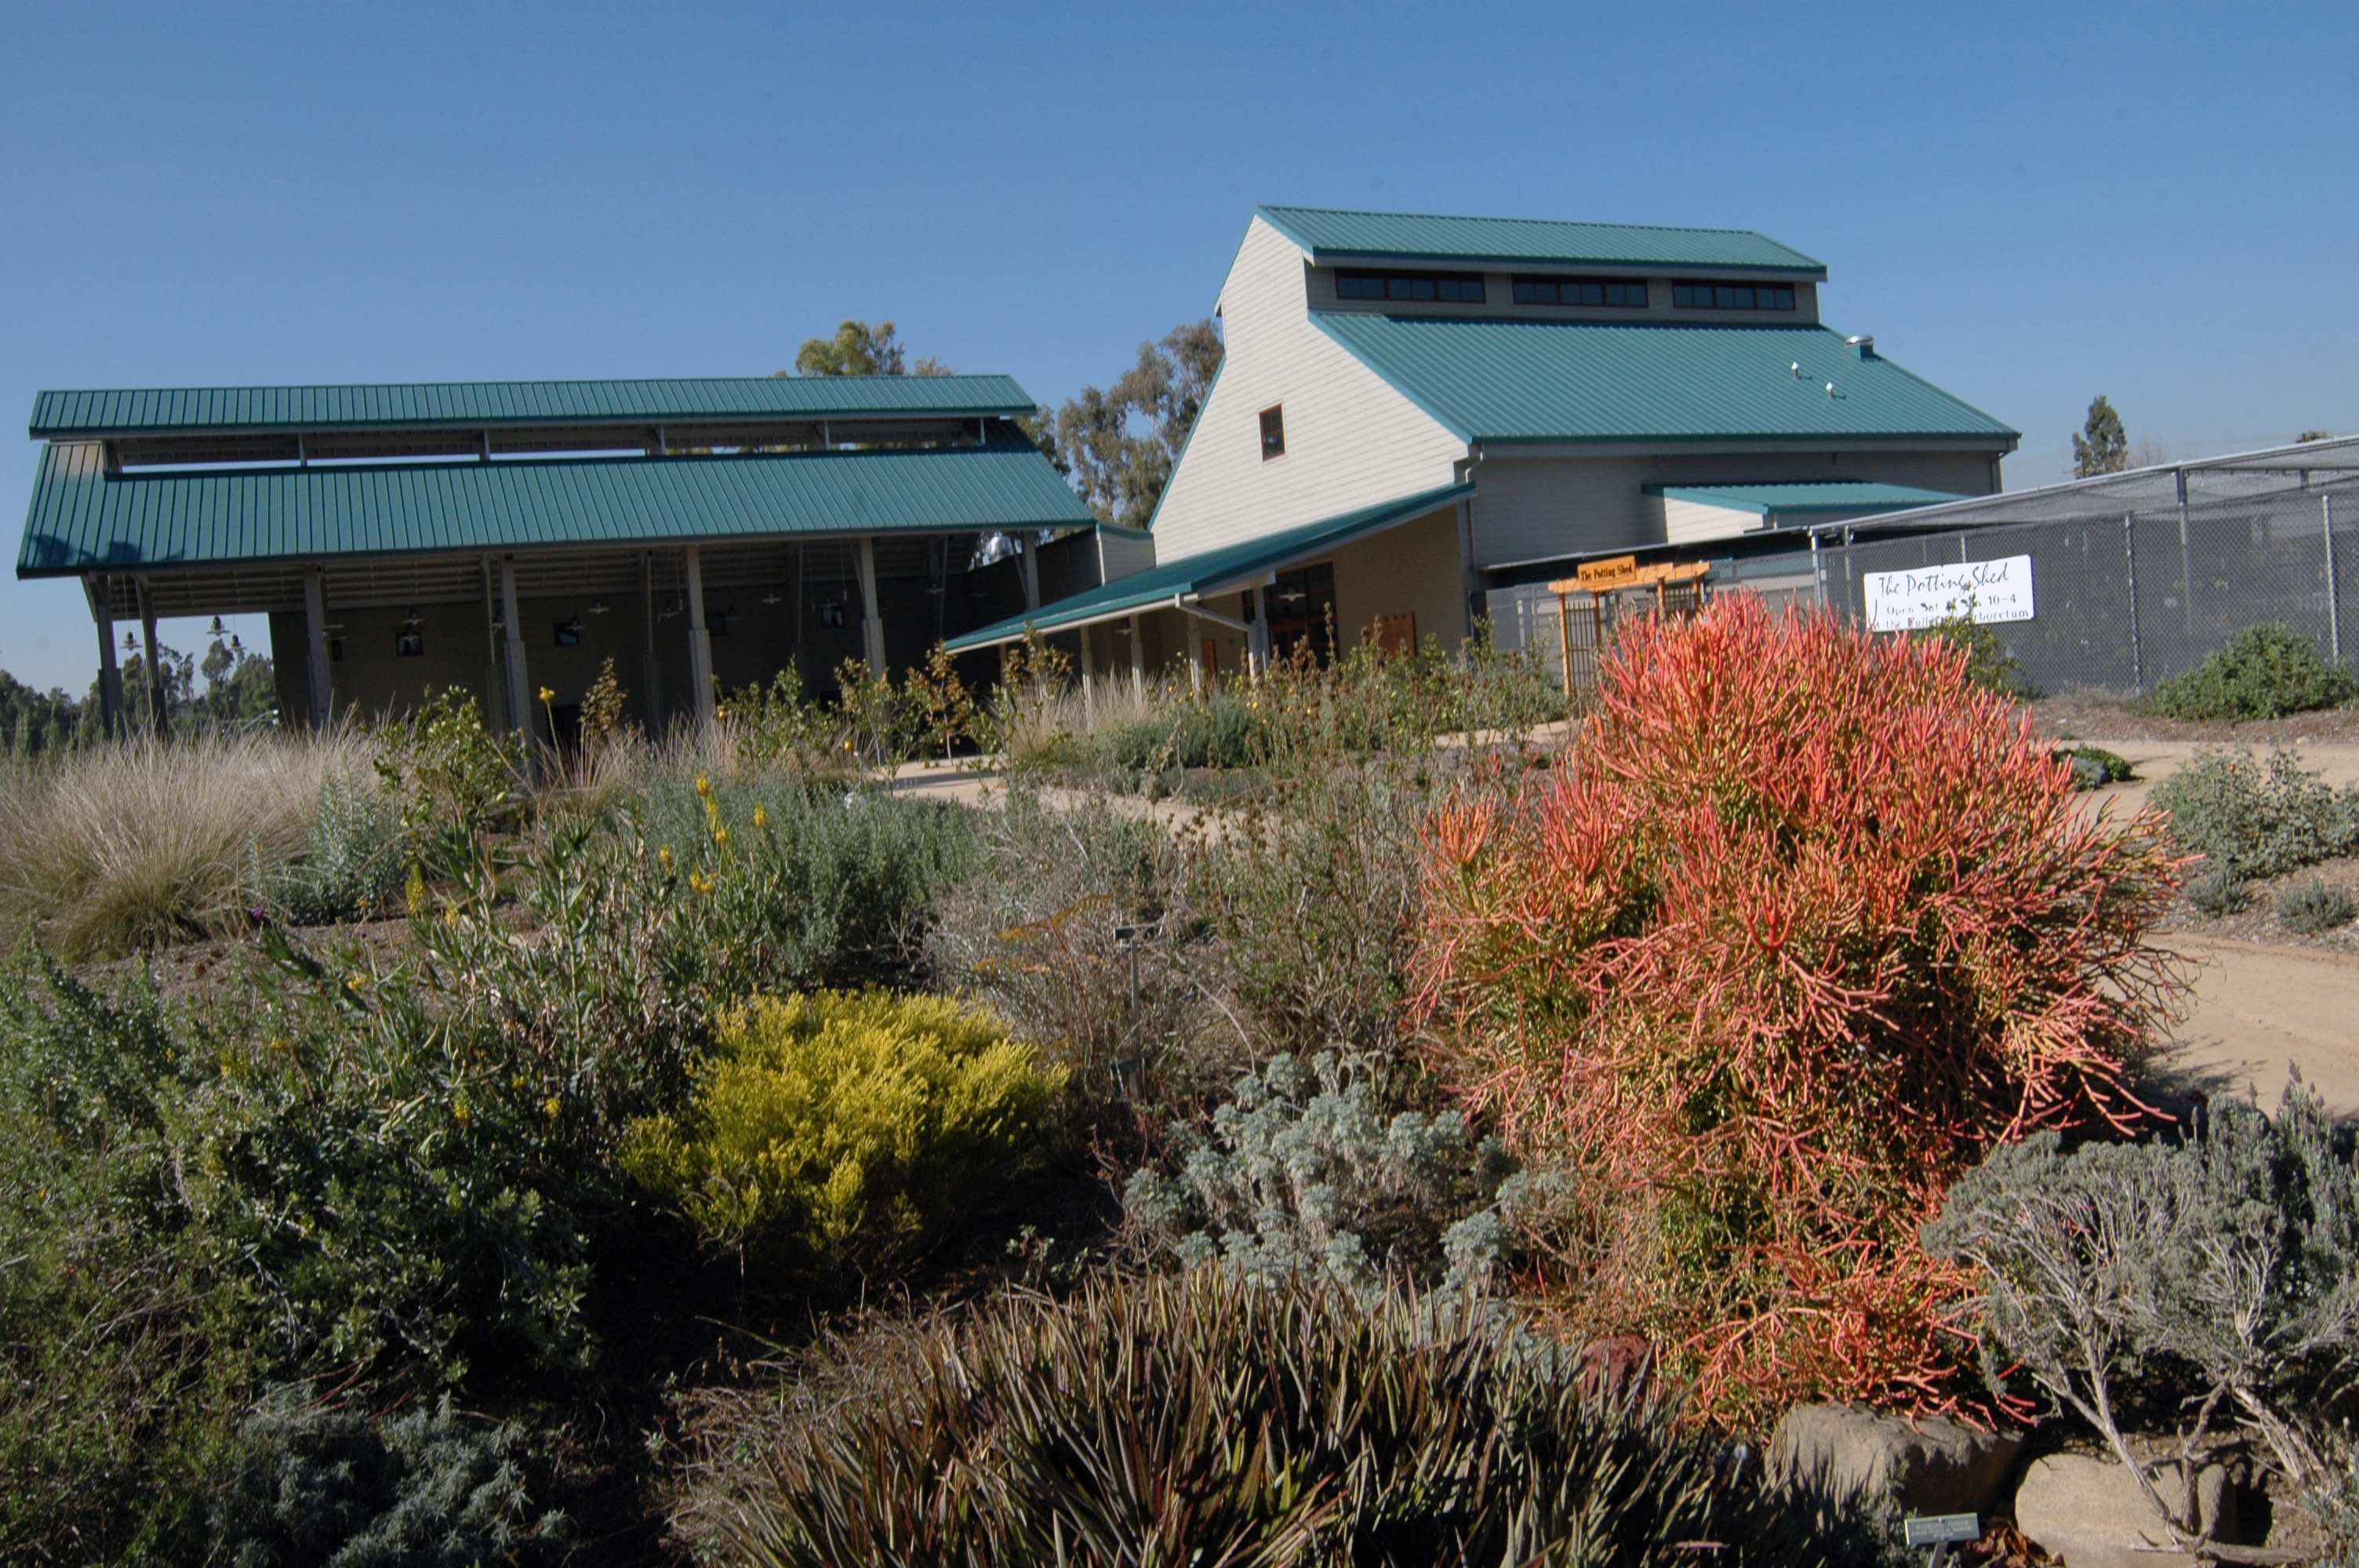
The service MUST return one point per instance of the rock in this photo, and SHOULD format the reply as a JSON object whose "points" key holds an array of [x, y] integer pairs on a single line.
{"points": [[1840, 1454], [2092, 1513]]}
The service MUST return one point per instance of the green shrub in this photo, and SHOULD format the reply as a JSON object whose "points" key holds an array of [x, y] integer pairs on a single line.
{"points": [[769, 885], [2311, 906], [351, 862], [1222, 731], [448, 769], [2250, 819], [425, 1489], [1301, 1170], [1205, 1418], [836, 1127], [2265, 672], [2229, 1261], [2217, 891], [124, 1330], [1989, 664]]}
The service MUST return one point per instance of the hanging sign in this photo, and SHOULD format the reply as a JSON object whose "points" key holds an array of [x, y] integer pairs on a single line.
{"points": [[1988, 591]]}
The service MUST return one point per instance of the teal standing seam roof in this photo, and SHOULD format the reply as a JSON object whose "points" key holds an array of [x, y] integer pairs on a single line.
{"points": [[166, 410], [1491, 380], [1211, 571], [82, 519], [1331, 234], [1830, 495]]}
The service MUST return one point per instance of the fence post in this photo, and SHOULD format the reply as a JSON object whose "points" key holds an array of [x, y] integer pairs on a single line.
{"points": [[1818, 572], [2333, 590], [2186, 559], [2130, 547]]}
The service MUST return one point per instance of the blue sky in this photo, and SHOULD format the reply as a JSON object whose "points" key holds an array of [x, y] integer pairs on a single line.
{"points": [[2026, 205]]}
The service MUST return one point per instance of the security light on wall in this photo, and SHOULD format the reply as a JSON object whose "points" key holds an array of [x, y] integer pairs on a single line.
{"points": [[598, 605], [412, 622], [237, 648], [130, 643], [217, 629], [573, 624]]}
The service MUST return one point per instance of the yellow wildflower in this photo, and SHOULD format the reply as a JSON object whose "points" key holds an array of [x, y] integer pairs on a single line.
{"points": [[450, 916], [721, 836], [551, 1106], [704, 786], [548, 695], [761, 817], [355, 980], [663, 857], [459, 1112]]}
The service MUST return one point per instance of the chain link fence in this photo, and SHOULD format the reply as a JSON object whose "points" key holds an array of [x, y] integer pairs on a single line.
{"points": [[2120, 600]]}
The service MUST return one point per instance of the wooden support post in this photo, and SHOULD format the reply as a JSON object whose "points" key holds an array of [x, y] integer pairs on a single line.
{"points": [[496, 697], [872, 627], [1257, 638], [1138, 653], [1564, 637], [699, 639], [1089, 682], [1029, 569], [315, 629], [803, 675], [160, 705], [101, 588]]}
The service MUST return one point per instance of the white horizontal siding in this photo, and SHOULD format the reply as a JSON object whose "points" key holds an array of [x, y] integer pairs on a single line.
{"points": [[1687, 522], [1350, 439], [1529, 509]]}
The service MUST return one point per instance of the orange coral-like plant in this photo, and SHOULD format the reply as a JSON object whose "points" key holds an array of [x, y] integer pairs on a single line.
{"points": [[1799, 927]]}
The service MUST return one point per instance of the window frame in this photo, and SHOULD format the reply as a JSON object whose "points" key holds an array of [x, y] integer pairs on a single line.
{"points": [[1555, 282], [1273, 423], [1793, 301], [1362, 276]]}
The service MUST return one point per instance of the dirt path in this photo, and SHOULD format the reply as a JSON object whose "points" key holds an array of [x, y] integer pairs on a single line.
{"points": [[2155, 761], [2259, 1008]]}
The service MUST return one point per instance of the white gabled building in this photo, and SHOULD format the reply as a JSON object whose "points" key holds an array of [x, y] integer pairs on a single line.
{"points": [[1414, 410]]}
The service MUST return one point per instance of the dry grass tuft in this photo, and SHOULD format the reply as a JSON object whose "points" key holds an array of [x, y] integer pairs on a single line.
{"points": [[110, 850]]}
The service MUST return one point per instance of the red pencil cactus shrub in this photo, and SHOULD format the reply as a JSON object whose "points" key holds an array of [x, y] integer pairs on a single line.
{"points": [[1801, 925]]}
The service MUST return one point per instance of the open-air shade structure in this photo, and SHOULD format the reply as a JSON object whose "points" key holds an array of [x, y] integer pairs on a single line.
{"points": [[503, 536]]}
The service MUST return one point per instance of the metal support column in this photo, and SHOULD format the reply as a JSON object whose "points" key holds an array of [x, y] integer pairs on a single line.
{"points": [[872, 626], [651, 663], [2186, 559], [699, 640], [1089, 681], [101, 589], [1258, 637], [1137, 625], [1027, 566], [315, 638], [2333, 588], [519, 687], [1818, 572], [159, 704], [495, 683], [2129, 548]]}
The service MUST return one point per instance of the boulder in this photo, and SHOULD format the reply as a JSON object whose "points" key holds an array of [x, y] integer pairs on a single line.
{"points": [[1839, 1456], [2093, 1514]]}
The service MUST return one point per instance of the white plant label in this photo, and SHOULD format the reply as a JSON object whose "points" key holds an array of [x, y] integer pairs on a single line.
{"points": [[1989, 590]]}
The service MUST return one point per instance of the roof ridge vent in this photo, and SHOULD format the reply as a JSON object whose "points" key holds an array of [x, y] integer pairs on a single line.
{"points": [[1863, 345]]}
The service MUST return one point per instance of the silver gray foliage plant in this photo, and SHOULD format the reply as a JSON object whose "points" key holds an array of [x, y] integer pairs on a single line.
{"points": [[1303, 1171], [2231, 1256]]}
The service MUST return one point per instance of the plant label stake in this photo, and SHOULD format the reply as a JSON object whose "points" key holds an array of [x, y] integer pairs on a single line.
{"points": [[1130, 1070], [1940, 1531]]}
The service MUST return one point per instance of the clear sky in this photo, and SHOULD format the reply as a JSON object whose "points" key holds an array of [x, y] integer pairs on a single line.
{"points": [[2026, 204]]}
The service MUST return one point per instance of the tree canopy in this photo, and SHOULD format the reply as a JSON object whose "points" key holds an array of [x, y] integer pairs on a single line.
{"points": [[1119, 445], [2102, 446], [859, 349]]}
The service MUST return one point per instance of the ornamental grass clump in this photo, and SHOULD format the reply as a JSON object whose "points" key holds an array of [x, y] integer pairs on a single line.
{"points": [[1200, 1418], [838, 1127], [1802, 925]]}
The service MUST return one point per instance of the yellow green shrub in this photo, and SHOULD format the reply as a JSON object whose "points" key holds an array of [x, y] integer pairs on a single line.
{"points": [[840, 1124]]}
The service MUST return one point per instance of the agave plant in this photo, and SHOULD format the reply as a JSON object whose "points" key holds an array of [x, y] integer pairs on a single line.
{"points": [[1204, 1419]]}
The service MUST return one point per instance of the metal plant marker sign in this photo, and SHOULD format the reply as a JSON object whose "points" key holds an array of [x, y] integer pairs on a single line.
{"points": [[1941, 1532], [1986, 591]]}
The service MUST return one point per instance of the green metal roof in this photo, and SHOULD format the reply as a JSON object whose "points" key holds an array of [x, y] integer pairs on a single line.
{"points": [[1210, 571], [1332, 235], [1491, 380], [1833, 495], [163, 410], [84, 520]]}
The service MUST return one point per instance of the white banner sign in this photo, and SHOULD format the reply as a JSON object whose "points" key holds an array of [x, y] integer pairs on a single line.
{"points": [[1989, 590]]}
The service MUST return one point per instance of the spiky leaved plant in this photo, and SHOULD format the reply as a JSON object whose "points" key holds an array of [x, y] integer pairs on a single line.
{"points": [[1204, 1419], [1802, 924]]}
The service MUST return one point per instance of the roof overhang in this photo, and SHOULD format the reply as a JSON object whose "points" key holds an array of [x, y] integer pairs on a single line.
{"points": [[1183, 584]]}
